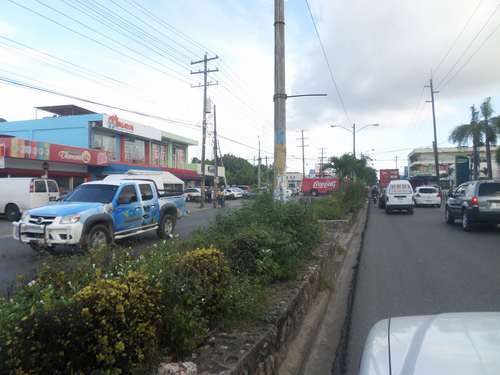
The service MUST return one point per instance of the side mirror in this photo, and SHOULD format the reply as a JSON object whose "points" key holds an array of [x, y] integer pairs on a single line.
{"points": [[123, 199]]}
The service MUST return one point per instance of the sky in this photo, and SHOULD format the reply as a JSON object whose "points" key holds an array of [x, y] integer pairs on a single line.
{"points": [[137, 55]]}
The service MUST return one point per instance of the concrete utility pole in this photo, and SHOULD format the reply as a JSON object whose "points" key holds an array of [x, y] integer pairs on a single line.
{"points": [[216, 161], [434, 144], [354, 140], [303, 146], [258, 169], [279, 97], [205, 85], [396, 162]]}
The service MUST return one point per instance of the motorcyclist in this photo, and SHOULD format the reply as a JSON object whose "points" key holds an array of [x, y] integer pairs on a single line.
{"points": [[375, 192]]}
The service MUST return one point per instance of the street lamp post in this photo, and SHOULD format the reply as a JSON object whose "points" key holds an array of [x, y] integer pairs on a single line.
{"points": [[354, 131]]}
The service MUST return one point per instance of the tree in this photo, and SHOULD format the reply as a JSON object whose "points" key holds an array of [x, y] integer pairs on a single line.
{"points": [[465, 133], [347, 165], [490, 133]]}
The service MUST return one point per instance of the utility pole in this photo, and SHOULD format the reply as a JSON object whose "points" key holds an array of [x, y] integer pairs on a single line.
{"points": [[303, 146], [279, 98], [321, 162], [397, 162], [205, 85], [434, 144], [258, 169], [268, 174], [354, 140], [216, 161]]}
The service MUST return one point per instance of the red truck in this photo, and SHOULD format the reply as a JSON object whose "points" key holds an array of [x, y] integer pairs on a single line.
{"points": [[387, 175], [319, 185]]}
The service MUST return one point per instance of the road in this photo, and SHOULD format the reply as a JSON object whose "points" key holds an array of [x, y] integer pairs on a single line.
{"points": [[413, 265], [18, 259]]}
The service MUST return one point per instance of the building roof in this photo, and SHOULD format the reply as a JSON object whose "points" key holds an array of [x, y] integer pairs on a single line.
{"points": [[66, 110]]}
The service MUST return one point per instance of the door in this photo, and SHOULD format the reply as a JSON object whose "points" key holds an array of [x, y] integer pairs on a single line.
{"points": [[53, 190], [127, 213], [150, 205], [455, 202], [39, 195]]}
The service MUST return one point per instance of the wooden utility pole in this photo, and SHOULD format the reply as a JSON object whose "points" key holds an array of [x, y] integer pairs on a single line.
{"points": [[434, 144], [279, 98], [205, 85], [216, 161], [258, 169]]}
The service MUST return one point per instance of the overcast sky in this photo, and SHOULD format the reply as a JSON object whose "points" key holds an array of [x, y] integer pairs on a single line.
{"points": [[381, 54]]}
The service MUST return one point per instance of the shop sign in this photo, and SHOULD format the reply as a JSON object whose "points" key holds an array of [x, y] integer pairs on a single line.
{"points": [[113, 122], [77, 155], [24, 149]]}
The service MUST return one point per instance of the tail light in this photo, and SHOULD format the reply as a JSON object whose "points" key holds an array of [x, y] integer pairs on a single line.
{"points": [[474, 201]]}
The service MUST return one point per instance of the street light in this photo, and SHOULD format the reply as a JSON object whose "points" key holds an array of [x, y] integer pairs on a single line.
{"points": [[354, 131]]}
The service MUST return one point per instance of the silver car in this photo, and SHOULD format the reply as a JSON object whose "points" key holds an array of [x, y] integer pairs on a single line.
{"points": [[445, 344], [474, 202]]}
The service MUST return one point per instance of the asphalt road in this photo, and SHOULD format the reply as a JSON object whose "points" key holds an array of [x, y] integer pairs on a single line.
{"points": [[413, 265], [18, 259]]}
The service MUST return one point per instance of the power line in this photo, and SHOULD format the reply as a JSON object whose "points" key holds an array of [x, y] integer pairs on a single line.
{"points": [[327, 62], [472, 56], [468, 47], [458, 36], [100, 43]]}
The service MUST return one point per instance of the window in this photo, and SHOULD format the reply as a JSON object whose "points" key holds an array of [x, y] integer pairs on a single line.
{"points": [[399, 189], [93, 193], [173, 189], [489, 189], [179, 158], [164, 155], [128, 192], [135, 151], [106, 143], [427, 190], [52, 186], [40, 186], [146, 192], [155, 154]]}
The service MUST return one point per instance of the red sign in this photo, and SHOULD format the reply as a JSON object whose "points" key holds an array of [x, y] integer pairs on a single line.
{"points": [[24, 149], [115, 123], [77, 155], [387, 175], [319, 185]]}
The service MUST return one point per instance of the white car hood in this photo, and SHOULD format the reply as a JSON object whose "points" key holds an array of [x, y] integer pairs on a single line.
{"points": [[455, 344]]}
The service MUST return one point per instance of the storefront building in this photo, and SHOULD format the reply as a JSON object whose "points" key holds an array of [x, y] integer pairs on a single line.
{"points": [[68, 165], [127, 144]]}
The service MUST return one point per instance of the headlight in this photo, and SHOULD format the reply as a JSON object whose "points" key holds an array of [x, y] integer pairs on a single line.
{"points": [[70, 219], [25, 216]]}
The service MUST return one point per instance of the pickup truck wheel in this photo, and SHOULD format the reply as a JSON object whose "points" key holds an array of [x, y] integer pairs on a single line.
{"points": [[167, 224], [12, 212], [97, 236]]}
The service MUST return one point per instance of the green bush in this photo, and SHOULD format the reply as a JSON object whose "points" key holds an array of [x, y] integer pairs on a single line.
{"points": [[341, 203], [109, 325]]}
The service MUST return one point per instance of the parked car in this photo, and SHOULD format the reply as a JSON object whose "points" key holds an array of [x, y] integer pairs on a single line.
{"points": [[245, 193], [193, 194], [18, 194], [474, 202], [96, 213], [233, 193], [399, 196], [453, 343], [427, 196]]}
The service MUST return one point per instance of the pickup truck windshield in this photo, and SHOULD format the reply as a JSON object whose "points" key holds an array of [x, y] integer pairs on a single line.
{"points": [[93, 193]]}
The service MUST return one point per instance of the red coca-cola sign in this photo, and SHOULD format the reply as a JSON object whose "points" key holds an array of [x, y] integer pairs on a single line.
{"points": [[320, 185], [77, 155]]}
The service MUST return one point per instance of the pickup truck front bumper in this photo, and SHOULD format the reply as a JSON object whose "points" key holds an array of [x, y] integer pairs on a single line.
{"points": [[48, 235]]}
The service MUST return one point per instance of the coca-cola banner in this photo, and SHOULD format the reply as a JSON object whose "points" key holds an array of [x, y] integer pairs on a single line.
{"points": [[77, 155]]}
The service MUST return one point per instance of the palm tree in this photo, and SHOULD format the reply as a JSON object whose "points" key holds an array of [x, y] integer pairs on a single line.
{"points": [[462, 134], [490, 133]]}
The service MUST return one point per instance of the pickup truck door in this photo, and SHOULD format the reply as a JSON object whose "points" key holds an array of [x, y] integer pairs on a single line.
{"points": [[150, 205], [128, 212]]}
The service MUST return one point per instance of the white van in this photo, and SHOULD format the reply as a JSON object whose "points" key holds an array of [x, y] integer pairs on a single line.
{"points": [[399, 196], [18, 194], [168, 185]]}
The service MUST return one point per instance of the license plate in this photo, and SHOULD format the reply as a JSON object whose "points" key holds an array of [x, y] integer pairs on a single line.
{"points": [[32, 228], [52, 199], [495, 206]]}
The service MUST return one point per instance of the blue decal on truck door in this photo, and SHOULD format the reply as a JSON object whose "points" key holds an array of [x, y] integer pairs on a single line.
{"points": [[128, 210], [150, 206]]}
